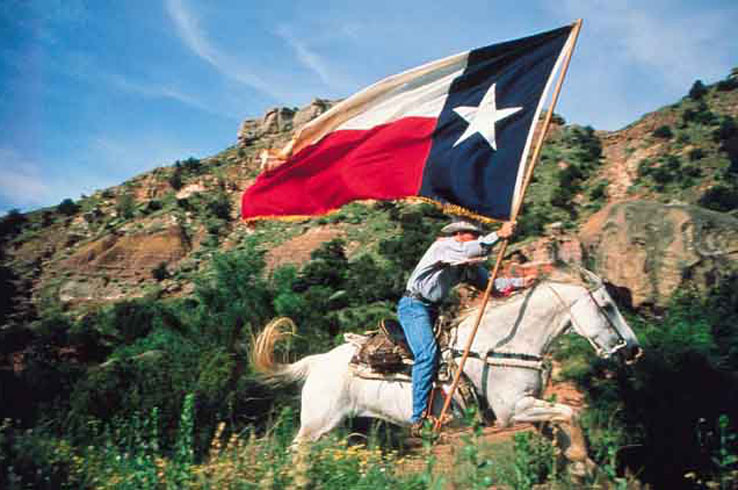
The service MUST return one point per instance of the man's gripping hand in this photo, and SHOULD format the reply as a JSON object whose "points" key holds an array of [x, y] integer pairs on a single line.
{"points": [[506, 230]]}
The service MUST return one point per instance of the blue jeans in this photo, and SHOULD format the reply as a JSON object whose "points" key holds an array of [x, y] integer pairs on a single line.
{"points": [[417, 319]]}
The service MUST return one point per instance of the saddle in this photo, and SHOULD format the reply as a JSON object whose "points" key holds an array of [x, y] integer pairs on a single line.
{"points": [[384, 354], [386, 350]]}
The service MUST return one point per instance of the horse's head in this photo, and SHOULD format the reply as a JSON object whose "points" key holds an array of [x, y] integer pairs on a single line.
{"points": [[595, 316]]}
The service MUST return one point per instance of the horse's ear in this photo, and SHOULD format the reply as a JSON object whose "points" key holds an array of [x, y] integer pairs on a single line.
{"points": [[589, 278]]}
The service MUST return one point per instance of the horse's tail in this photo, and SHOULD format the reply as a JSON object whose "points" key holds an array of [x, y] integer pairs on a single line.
{"points": [[262, 354]]}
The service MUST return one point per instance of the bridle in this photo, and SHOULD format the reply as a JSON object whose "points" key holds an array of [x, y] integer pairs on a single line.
{"points": [[601, 351]]}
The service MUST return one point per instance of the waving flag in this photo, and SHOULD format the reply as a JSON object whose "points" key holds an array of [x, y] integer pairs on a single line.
{"points": [[455, 132]]}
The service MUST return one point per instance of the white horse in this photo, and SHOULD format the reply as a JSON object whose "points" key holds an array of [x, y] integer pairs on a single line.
{"points": [[505, 366]]}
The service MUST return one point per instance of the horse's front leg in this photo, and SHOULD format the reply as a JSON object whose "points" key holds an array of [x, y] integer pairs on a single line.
{"points": [[570, 439]]}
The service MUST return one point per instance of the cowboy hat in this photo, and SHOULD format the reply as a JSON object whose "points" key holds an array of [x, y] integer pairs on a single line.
{"points": [[461, 225]]}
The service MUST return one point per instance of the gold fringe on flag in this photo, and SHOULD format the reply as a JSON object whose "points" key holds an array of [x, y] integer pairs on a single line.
{"points": [[451, 209]]}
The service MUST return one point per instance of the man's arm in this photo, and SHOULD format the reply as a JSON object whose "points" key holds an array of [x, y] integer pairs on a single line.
{"points": [[505, 231]]}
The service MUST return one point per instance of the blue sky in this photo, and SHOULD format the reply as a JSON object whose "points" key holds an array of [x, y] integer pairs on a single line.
{"points": [[93, 92]]}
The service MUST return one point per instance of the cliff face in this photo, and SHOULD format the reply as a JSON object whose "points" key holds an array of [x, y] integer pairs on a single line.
{"points": [[651, 249]]}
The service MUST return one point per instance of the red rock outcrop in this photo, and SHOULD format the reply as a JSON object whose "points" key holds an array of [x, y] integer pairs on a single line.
{"points": [[652, 249]]}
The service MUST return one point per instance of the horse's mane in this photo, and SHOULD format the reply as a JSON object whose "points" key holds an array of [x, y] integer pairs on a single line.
{"points": [[564, 272]]}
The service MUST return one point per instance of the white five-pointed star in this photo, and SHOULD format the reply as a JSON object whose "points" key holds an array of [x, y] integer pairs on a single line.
{"points": [[482, 119]]}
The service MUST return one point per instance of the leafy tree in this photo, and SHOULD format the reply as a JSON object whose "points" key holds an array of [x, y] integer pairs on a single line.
{"points": [[327, 267], [175, 179], [219, 205], [160, 272], [419, 227], [727, 130], [192, 165], [663, 132], [698, 90], [11, 223], [125, 206], [599, 191], [367, 282], [67, 207], [287, 302], [720, 198]]}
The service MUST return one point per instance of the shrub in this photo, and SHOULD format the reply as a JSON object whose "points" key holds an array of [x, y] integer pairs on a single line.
{"points": [[153, 205], [599, 191], [691, 171], [720, 198], [562, 197], [131, 319], [175, 179], [727, 85], [671, 162], [67, 207], [558, 119], [192, 165], [662, 175], [688, 116], [696, 154], [160, 272], [706, 117], [219, 205], [644, 168], [419, 227], [532, 222], [727, 130], [663, 132], [11, 223], [698, 90], [125, 205]]}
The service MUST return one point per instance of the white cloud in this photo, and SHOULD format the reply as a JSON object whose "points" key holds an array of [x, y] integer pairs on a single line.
{"points": [[168, 92], [21, 180], [196, 40], [666, 39], [309, 58]]}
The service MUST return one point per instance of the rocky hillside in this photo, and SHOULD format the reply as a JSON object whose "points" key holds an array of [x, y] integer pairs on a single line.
{"points": [[126, 316], [154, 233]]}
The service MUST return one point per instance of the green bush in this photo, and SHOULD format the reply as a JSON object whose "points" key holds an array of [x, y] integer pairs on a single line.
{"points": [[698, 90], [11, 224], [730, 83], [696, 154], [599, 191], [67, 207], [125, 205], [720, 198], [683, 382], [663, 132], [727, 130], [219, 205], [160, 272], [175, 178]]}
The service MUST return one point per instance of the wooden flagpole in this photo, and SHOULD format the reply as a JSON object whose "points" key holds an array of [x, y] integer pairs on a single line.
{"points": [[516, 210]]}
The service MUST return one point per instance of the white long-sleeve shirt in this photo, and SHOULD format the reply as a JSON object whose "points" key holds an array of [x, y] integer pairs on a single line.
{"points": [[436, 273]]}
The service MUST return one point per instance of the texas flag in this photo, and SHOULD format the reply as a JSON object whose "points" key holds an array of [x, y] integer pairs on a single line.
{"points": [[455, 132]]}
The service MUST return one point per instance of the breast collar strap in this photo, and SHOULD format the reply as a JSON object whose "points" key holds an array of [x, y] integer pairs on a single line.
{"points": [[505, 359]]}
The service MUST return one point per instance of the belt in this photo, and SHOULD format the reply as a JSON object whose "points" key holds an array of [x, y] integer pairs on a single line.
{"points": [[419, 297]]}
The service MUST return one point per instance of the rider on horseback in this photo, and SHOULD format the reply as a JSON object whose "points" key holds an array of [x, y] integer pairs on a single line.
{"points": [[445, 264]]}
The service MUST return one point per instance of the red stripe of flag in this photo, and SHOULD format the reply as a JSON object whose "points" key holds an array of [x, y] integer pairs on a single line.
{"points": [[384, 162]]}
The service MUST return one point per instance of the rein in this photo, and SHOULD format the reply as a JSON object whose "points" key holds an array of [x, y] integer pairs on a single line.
{"points": [[622, 342]]}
